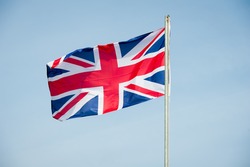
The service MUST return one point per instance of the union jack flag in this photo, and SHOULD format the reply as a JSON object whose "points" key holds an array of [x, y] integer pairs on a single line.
{"points": [[106, 78]]}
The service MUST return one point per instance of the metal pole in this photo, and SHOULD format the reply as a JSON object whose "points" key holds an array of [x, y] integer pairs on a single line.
{"points": [[167, 91]]}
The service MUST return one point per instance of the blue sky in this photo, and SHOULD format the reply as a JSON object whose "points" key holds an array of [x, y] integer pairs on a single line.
{"points": [[210, 108]]}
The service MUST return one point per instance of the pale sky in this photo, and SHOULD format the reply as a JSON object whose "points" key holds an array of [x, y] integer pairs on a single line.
{"points": [[209, 105]]}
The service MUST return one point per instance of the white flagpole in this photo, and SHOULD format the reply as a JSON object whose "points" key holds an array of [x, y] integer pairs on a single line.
{"points": [[167, 91]]}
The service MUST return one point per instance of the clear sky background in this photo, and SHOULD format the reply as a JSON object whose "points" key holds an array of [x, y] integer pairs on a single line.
{"points": [[210, 97]]}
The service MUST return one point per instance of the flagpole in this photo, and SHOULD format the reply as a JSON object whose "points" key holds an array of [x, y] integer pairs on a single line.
{"points": [[167, 91]]}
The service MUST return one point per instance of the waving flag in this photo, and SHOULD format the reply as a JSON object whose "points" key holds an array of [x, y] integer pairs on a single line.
{"points": [[106, 78]]}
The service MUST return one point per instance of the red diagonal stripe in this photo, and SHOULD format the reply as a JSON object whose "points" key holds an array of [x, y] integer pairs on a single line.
{"points": [[144, 90], [56, 62], [78, 62], [70, 105], [145, 49]]}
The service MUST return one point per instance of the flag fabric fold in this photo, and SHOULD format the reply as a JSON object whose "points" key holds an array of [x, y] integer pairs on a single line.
{"points": [[106, 78]]}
